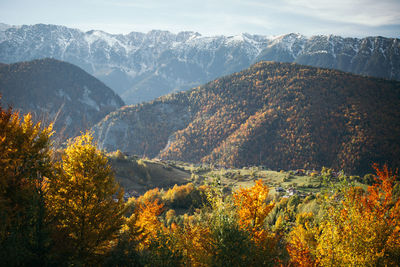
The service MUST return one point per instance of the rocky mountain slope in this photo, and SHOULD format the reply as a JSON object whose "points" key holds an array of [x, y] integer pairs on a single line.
{"points": [[282, 115], [55, 90], [143, 66]]}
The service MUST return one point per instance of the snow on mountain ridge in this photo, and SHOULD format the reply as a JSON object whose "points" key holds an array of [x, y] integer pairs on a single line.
{"points": [[4, 26], [156, 40], [139, 64]]}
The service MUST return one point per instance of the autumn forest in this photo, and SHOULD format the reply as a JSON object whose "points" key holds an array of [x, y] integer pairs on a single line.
{"points": [[61, 206], [147, 133], [280, 115]]}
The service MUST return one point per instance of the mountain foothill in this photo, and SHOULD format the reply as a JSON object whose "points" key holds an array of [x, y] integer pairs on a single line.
{"points": [[287, 102], [280, 115], [59, 92]]}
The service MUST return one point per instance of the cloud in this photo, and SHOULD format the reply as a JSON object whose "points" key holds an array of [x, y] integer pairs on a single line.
{"points": [[214, 17], [141, 4], [364, 12]]}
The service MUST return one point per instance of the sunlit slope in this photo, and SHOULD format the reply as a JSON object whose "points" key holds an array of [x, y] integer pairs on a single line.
{"points": [[281, 115]]}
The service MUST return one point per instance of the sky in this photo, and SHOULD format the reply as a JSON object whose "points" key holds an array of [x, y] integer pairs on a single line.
{"points": [[348, 18]]}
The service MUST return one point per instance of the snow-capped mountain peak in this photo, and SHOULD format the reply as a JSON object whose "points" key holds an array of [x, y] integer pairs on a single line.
{"points": [[142, 66]]}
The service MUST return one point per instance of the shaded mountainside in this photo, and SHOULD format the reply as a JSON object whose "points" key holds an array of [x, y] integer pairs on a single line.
{"points": [[55, 90], [140, 175], [280, 115], [143, 129], [143, 66]]}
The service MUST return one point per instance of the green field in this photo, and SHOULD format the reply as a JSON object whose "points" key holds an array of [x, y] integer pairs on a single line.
{"points": [[140, 175]]}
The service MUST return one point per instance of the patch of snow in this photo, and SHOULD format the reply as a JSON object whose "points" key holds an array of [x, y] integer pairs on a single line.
{"points": [[112, 41], [235, 39], [194, 36], [68, 120], [319, 52], [332, 45], [4, 27], [94, 36], [87, 100], [355, 48], [113, 103], [382, 52], [61, 93], [287, 41]]}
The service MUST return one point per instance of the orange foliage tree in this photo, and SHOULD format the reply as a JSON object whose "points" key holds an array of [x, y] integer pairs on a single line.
{"points": [[144, 223], [253, 208], [196, 244]]}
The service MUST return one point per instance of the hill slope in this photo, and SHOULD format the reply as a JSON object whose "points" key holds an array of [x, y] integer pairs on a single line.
{"points": [[142, 175], [143, 66], [276, 114], [51, 89]]}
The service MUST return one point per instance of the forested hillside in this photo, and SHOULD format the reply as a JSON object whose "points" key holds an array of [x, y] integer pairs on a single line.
{"points": [[281, 115], [63, 207]]}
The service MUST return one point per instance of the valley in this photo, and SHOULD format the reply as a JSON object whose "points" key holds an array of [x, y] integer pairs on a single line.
{"points": [[178, 149], [137, 176]]}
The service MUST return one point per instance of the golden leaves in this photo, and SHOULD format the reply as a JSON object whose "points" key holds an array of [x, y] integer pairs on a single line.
{"points": [[252, 205], [360, 228], [301, 245], [82, 198], [144, 223], [253, 208]]}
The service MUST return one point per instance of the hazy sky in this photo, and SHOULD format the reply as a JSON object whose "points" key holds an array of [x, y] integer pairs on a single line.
{"points": [[358, 18]]}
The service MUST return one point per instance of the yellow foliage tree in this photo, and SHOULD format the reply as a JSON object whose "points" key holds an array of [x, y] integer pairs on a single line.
{"points": [[360, 229], [365, 230], [301, 243], [196, 244], [25, 166], [86, 201]]}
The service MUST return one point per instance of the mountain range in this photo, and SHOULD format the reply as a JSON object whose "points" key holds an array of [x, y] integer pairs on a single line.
{"points": [[281, 115], [143, 66], [57, 91]]}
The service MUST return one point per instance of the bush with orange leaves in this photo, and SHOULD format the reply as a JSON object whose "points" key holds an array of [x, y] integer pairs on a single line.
{"points": [[360, 228]]}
